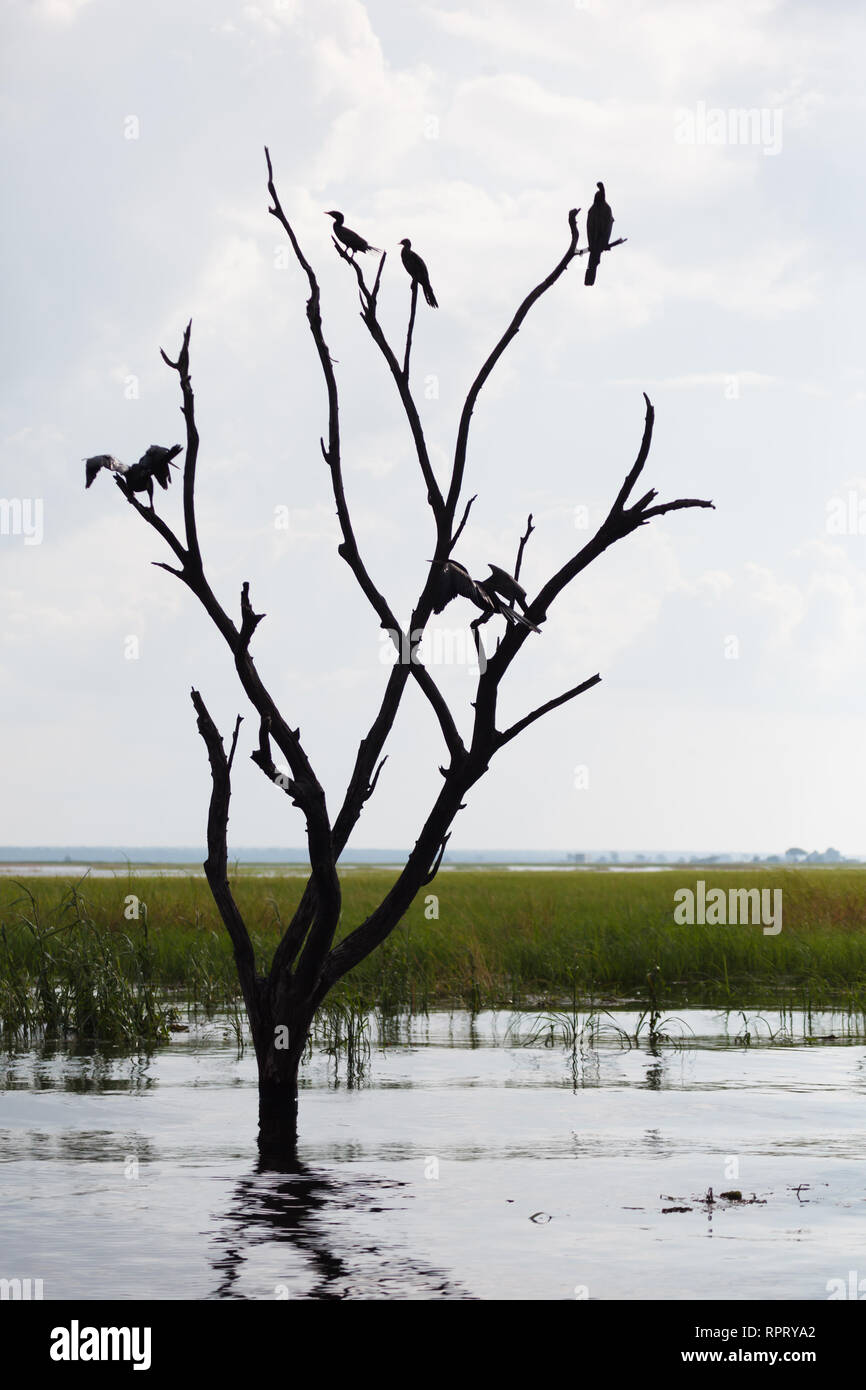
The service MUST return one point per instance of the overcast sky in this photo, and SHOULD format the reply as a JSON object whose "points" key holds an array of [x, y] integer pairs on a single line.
{"points": [[731, 643]]}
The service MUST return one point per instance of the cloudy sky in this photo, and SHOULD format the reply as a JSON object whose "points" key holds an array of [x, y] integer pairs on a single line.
{"points": [[731, 643]]}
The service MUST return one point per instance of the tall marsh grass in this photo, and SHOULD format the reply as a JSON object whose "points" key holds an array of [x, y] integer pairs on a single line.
{"points": [[80, 961], [62, 975]]}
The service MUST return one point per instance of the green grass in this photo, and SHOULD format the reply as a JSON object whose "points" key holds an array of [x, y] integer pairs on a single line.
{"points": [[72, 961]]}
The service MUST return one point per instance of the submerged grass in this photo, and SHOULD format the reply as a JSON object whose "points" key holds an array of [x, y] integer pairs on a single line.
{"points": [[96, 959]]}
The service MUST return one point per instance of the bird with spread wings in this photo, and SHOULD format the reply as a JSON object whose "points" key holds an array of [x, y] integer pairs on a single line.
{"points": [[155, 462], [494, 595]]}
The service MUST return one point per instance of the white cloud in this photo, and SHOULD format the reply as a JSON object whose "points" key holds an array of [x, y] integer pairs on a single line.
{"points": [[59, 11], [695, 380]]}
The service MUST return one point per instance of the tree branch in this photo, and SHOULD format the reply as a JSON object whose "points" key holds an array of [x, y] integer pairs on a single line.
{"points": [[637, 467], [437, 862], [413, 307], [418, 869], [160, 526], [401, 379], [459, 532], [181, 366], [679, 505], [620, 521], [522, 546], [508, 336], [263, 758], [348, 550], [508, 734], [620, 241], [307, 792], [216, 864], [249, 619]]}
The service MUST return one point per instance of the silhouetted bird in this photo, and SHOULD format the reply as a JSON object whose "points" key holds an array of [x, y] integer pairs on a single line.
{"points": [[418, 271], [347, 236], [503, 583], [137, 477], [157, 459], [599, 222], [454, 581]]}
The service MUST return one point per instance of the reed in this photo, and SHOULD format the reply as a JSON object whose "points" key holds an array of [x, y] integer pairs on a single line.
{"points": [[96, 958]]}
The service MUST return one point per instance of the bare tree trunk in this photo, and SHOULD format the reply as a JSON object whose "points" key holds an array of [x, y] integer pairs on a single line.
{"points": [[278, 1121], [280, 1042], [278, 1099]]}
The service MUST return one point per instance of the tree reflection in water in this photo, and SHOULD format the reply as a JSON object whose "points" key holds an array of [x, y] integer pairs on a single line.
{"points": [[307, 1234]]}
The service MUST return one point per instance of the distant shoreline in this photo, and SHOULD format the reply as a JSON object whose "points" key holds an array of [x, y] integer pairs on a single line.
{"points": [[63, 868], [111, 860]]}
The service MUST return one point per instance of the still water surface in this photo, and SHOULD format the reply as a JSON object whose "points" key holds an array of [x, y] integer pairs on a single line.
{"points": [[465, 1166]]}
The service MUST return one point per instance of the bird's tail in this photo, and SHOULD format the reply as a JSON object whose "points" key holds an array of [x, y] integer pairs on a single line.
{"points": [[589, 277], [517, 619], [161, 467], [430, 297]]}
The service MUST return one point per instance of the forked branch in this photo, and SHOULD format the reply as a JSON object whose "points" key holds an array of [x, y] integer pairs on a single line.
{"points": [[181, 366], [216, 864], [400, 375], [508, 336], [522, 546]]}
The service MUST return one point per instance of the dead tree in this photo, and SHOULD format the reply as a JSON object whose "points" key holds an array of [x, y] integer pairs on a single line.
{"points": [[307, 963]]}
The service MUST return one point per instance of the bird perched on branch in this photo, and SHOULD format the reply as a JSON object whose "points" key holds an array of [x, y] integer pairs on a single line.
{"points": [[158, 459], [454, 581], [599, 223], [501, 582], [137, 477], [418, 271], [353, 240]]}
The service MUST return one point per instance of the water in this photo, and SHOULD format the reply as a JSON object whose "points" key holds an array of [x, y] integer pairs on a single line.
{"points": [[465, 1166]]}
